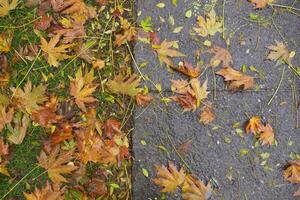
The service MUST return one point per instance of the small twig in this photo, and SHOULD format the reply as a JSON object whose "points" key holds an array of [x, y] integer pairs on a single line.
{"points": [[279, 84], [223, 24], [284, 6]]}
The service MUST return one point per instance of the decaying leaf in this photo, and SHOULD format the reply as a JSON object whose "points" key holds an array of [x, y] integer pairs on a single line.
{"points": [[57, 163], [127, 85], [181, 87], [6, 6], [5, 41], [221, 55], [279, 51], [48, 192], [260, 3], [166, 50], [266, 135], [18, 128], [236, 80], [187, 101], [210, 25], [44, 22], [207, 115], [194, 189], [27, 52], [5, 116], [143, 99], [128, 32], [111, 127], [187, 69], [254, 125], [169, 178], [185, 147], [82, 88], [292, 172], [54, 53], [30, 98]]}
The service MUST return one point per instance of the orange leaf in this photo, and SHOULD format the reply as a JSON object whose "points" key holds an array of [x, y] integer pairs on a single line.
{"points": [[187, 101], [48, 192], [194, 189], [187, 69], [267, 135], [254, 125], [5, 117], [261, 3], [292, 172], [143, 99], [169, 178], [220, 55], [207, 115], [111, 127]]}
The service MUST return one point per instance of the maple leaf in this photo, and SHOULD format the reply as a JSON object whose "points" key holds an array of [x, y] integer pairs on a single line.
{"points": [[96, 187], [253, 125], [210, 25], [200, 90], [187, 101], [279, 51], [143, 99], [111, 127], [48, 192], [56, 164], [53, 52], [267, 135], [129, 32], [220, 55], [5, 41], [181, 87], [75, 30], [6, 6], [169, 178], [5, 117], [194, 189], [92, 123], [18, 129], [82, 88], [28, 52], [292, 172], [187, 69], [44, 22], [260, 3], [165, 51], [30, 98], [127, 85], [236, 80], [207, 115]]}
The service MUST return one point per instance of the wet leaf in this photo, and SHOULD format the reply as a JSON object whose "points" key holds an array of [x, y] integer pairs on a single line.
{"points": [[187, 69], [194, 189], [143, 99], [200, 90], [292, 172], [6, 116], [279, 51], [253, 125], [187, 101], [267, 135], [111, 127]]}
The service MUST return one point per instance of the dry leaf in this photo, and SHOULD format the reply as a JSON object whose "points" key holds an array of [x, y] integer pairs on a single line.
{"points": [[6, 6], [18, 129], [128, 32], [236, 80], [194, 189], [3, 152], [5, 116], [28, 52], [220, 55], [111, 127], [98, 64], [128, 85], [166, 50], [260, 3], [143, 99], [187, 101], [5, 41], [253, 125], [44, 22], [185, 147], [169, 178], [279, 51], [56, 164], [4, 74], [292, 172], [209, 26], [187, 69], [48, 192], [267, 135], [207, 115], [82, 88], [200, 90], [181, 87]]}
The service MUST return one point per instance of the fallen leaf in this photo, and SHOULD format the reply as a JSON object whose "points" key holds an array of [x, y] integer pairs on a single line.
{"points": [[166, 50], [267, 135], [28, 52], [56, 164], [44, 22], [48, 192], [236, 80], [82, 88], [73, 33], [143, 99], [4, 74], [169, 178], [98, 64], [5, 41], [3, 148], [187, 101], [5, 116], [194, 189], [6, 6], [254, 125], [187, 69], [127, 85], [207, 115], [181, 87], [185, 147], [210, 25], [292, 172], [53, 52], [18, 128], [261, 3], [221, 55], [128, 32], [111, 127], [200, 90], [279, 51], [96, 187]]}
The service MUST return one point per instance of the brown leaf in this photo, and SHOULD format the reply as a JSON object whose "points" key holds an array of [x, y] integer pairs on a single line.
{"points": [[194, 189], [267, 135], [96, 187], [128, 32], [143, 99], [44, 22], [181, 87], [5, 116], [111, 127], [3, 148], [82, 88], [187, 69], [4, 74], [48, 192], [28, 52], [5, 41], [169, 178], [236, 80], [63, 131], [187, 101], [185, 147], [292, 172], [253, 125], [279, 51], [260, 3], [221, 55], [56, 164], [69, 34], [207, 115]]}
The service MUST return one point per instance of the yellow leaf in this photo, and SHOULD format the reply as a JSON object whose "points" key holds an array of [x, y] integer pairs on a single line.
{"points": [[292, 172], [200, 90], [4, 171], [5, 41], [5, 6], [48, 192], [253, 125], [279, 51], [194, 189], [128, 85], [18, 129]]}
